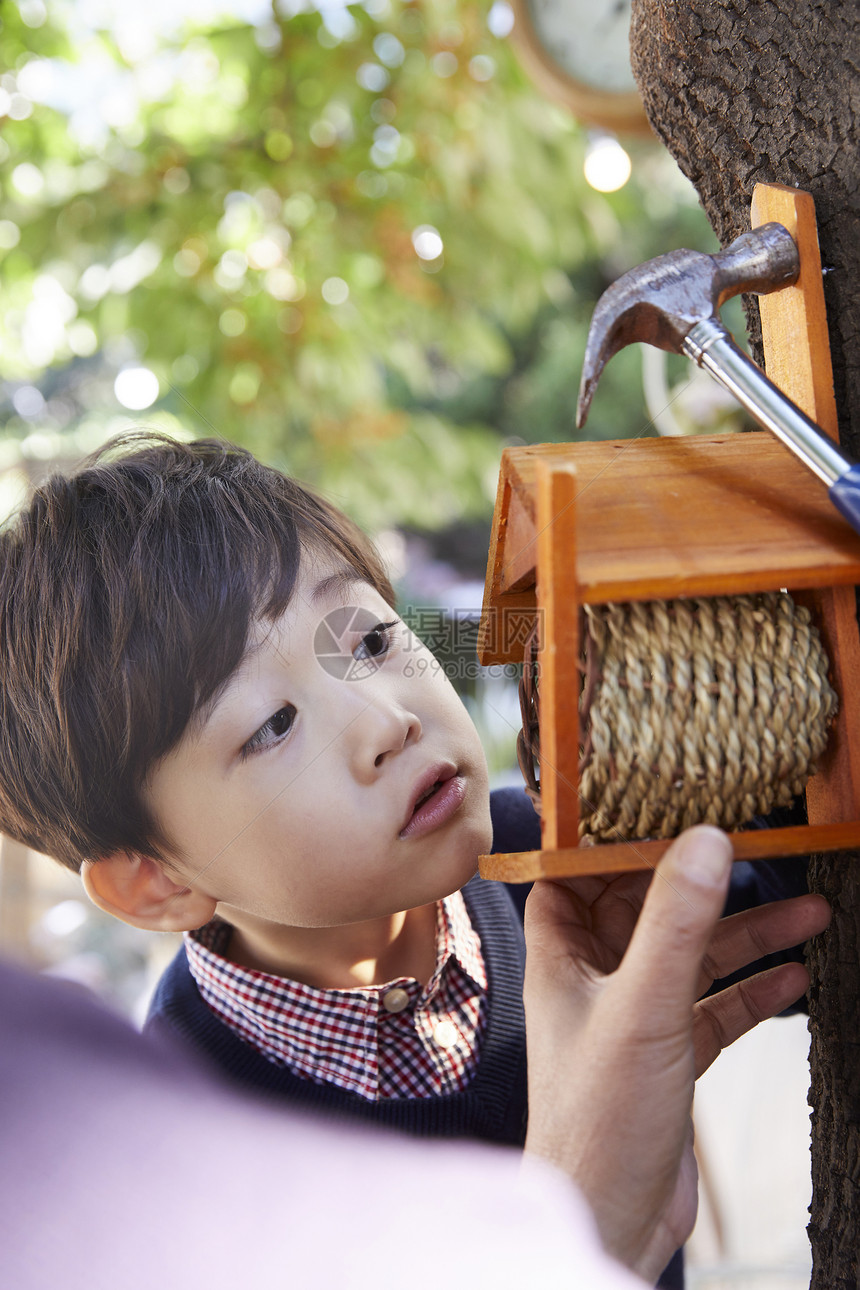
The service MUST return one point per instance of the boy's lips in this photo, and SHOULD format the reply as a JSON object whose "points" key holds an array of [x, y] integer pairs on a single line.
{"points": [[436, 796]]}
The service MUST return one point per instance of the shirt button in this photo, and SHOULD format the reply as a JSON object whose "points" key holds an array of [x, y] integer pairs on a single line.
{"points": [[395, 1000], [446, 1035]]}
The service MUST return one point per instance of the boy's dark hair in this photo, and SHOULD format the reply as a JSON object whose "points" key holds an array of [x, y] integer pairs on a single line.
{"points": [[127, 594]]}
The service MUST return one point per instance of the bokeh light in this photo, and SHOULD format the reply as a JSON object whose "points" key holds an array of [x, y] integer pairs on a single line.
{"points": [[335, 291], [607, 166], [427, 242], [136, 388]]}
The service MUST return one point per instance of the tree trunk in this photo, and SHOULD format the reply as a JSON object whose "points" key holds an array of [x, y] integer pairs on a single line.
{"points": [[743, 91]]}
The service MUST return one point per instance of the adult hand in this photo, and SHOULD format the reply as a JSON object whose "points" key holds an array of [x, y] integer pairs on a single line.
{"points": [[617, 1031]]}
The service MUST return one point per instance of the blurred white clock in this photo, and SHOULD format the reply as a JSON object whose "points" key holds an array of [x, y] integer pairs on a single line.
{"points": [[577, 51]]}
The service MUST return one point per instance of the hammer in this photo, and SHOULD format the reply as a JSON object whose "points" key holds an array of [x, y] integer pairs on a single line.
{"points": [[673, 303]]}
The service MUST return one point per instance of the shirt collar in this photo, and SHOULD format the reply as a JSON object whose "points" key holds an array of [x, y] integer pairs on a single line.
{"points": [[456, 940]]}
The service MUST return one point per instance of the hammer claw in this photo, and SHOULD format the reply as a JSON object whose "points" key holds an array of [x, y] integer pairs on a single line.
{"points": [[661, 301]]}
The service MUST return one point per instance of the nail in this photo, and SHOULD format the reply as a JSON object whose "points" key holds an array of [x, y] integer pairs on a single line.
{"points": [[706, 854]]}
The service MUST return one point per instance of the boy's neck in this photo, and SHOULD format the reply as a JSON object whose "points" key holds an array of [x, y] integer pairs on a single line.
{"points": [[337, 958]]}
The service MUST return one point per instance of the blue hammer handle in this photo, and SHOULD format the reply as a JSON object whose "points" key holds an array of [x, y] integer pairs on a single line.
{"points": [[844, 493]]}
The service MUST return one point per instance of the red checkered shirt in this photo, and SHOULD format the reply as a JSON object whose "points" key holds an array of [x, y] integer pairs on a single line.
{"points": [[400, 1039]]}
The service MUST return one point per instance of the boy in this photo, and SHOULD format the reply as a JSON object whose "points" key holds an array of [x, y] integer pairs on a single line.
{"points": [[171, 706], [212, 712]]}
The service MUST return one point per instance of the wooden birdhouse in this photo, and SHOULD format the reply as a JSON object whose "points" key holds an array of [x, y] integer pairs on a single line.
{"points": [[635, 522]]}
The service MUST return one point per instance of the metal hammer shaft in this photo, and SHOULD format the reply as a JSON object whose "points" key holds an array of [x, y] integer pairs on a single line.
{"points": [[711, 346]]}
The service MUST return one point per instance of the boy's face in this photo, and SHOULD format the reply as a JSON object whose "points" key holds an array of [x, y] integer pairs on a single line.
{"points": [[293, 800]]}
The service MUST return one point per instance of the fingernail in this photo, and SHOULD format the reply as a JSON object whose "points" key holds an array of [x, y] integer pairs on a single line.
{"points": [[705, 853]]}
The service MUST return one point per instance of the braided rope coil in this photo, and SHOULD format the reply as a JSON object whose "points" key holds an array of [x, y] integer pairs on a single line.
{"points": [[691, 711]]}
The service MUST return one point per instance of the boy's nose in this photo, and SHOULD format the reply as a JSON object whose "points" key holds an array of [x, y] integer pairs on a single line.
{"points": [[378, 733]]}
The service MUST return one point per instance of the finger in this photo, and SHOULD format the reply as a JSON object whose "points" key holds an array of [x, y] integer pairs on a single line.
{"points": [[610, 912], [552, 911], [559, 938], [724, 1017], [615, 914], [594, 890], [680, 912], [742, 938], [589, 921]]}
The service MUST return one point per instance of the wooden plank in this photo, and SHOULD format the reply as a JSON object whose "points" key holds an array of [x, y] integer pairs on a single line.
{"points": [[624, 857], [505, 626], [640, 528], [641, 508], [834, 793], [500, 636], [487, 649], [520, 554], [801, 370], [797, 358], [558, 613]]}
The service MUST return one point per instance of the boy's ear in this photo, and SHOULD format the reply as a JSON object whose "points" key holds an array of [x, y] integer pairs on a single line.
{"points": [[135, 889]]}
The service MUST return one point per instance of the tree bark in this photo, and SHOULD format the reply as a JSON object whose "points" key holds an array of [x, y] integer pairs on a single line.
{"points": [[743, 91]]}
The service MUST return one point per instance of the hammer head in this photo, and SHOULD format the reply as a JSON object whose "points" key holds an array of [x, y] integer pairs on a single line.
{"points": [[661, 301]]}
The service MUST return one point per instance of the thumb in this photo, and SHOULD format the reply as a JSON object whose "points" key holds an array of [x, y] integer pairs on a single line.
{"points": [[684, 903]]}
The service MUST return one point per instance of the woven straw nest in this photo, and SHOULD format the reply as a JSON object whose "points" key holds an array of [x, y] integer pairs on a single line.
{"points": [[692, 711]]}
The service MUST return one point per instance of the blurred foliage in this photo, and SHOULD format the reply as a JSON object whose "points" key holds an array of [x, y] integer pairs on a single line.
{"points": [[238, 208]]}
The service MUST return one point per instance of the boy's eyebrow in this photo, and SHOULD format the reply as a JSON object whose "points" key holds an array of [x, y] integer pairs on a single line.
{"points": [[338, 582], [202, 715]]}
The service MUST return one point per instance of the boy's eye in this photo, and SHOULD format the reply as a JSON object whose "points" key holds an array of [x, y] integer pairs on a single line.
{"points": [[272, 731], [377, 643]]}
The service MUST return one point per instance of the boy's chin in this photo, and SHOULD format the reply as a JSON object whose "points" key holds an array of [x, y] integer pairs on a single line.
{"points": [[474, 842], [484, 837]]}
